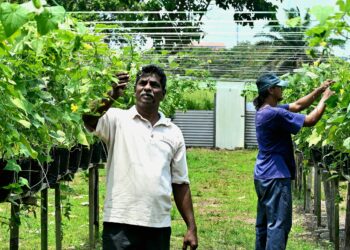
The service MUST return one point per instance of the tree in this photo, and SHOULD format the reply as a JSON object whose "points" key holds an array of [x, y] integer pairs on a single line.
{"points": [[179, 26], [289, 41]]}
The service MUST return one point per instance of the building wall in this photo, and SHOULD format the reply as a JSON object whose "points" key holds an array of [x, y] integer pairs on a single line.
{"points": [[250, 134], [230, 115], [231, 125], [197, 126]]}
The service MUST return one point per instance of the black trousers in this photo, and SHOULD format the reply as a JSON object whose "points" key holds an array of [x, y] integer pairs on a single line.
{"points": [[118, 236]]}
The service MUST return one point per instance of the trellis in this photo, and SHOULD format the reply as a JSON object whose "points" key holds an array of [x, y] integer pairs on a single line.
{"points": [[221, 67], [91, 161], [137, 31], [309, 180]]}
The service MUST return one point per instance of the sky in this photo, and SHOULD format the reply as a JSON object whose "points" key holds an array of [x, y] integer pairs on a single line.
{"points": [[219, 25]]}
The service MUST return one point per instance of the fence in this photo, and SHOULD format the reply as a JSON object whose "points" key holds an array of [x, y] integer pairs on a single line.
{"points": [[309, 181], [198, 127]]}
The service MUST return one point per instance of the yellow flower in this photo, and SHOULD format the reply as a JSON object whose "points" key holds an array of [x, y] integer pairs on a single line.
{"points": [[323, 44], [342, 91], [73, 107], [87, 46], [316, 63], [209, 61]]}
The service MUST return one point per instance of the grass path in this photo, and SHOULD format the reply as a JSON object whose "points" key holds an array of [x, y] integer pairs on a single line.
{"points": [[224, 203]]}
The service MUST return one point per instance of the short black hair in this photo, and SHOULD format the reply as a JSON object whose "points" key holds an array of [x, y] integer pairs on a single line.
{"points": [[153, 69]]}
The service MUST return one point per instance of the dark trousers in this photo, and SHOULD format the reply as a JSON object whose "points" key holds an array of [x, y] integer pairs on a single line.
{"points": [[274, 213], [118, 236]]}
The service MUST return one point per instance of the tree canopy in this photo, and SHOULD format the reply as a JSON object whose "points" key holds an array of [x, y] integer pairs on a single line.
{"points": [[180, 20], [288, 41]]}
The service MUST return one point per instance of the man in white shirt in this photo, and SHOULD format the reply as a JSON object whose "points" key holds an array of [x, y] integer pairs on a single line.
{"points": [[146, 163]]}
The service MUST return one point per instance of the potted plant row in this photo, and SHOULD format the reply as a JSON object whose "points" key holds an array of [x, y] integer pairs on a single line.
{"points": [[65, 163]]}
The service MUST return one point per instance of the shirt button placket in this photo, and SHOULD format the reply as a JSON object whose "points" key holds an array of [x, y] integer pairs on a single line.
{"points": [[151, 130]]}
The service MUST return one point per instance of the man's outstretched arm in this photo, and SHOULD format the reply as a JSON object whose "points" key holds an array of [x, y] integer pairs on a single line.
{"points": [[307, 100]]}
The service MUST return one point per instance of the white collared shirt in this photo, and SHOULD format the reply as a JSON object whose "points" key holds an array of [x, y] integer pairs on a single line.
{"points": [[143, 162]]}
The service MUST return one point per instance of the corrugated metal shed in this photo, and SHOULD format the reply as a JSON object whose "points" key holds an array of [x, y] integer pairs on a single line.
{"points": [[250, 134], [197, 126]]}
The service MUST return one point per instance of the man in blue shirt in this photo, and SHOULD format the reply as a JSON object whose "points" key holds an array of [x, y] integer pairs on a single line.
{"points": [[275, 165]]}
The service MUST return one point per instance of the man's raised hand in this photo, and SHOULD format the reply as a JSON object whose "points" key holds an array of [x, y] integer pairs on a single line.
{"points": [[118, 88]]}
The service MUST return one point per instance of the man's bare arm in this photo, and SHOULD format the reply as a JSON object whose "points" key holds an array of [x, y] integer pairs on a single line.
{"points": [[307, 100], [315, 115], [183, 200]]}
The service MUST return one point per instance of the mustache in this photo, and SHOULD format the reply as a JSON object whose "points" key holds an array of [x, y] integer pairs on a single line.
{"points": [[143, 93]]}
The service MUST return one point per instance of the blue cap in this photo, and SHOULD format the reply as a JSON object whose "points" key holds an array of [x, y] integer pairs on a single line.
{"points": [[269, 80]]}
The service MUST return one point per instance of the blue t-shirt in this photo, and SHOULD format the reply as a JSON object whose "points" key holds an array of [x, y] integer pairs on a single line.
{"points": [[274, 126]]}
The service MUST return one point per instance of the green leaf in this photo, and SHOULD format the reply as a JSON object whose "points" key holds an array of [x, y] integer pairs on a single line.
{"points": [[12, 166], [314, 41], [82, 138], [293, 22], [49, 19], [26, 149], [337, 119], [174, 65], [322, 13], [14, 187], [311, 75], [346, 143], [81, 28], [337, 42], [314, 138], [58, 135], [23, 182], [38, 46], [12, 17], [25, 123], [332, 101], [77, 43], [171, 58], [18, 103], [316, 30], [39, 118], [344, 6], [61, 133], [6, 70]]}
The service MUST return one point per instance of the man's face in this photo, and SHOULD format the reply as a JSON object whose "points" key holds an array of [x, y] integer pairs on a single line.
{"points": [[148, 91], [277, 93]]}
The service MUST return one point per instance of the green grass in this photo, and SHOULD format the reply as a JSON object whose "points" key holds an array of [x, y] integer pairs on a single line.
{"points": [[200, 100], [224, 204]]}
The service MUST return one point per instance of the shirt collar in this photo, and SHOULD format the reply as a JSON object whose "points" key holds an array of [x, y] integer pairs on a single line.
{"points": [[162, 120]]}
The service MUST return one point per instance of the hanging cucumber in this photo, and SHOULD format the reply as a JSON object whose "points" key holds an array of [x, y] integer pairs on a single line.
{"points": [[37, 3]]}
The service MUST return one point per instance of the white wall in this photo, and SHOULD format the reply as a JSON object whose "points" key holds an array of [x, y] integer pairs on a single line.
{"points": [[230, 107]]}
